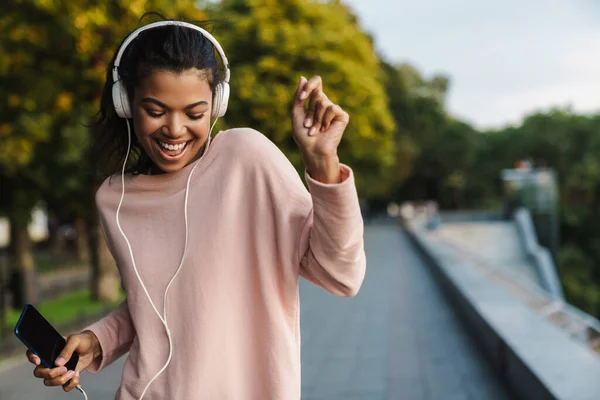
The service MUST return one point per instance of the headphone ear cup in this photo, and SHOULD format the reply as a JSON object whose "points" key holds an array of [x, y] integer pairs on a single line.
{"points": [[221, 100], [121, 100], [216, 101]]}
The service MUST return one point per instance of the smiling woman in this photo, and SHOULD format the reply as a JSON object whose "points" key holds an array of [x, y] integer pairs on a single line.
{"points": [[171, 89], [230, 242], [170, 118]]}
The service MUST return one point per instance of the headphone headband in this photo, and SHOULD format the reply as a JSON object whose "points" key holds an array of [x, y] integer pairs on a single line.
{"points": [[134, 34], [119, 93]]}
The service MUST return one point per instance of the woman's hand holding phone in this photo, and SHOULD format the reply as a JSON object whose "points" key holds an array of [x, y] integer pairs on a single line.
{"points": [[86, 344]]}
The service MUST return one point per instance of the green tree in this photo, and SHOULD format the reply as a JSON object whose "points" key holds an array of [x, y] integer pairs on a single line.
{"points": [[433, 151], [577, 272], [271, 43], [569, 144], [53, 60], [398, 90]]}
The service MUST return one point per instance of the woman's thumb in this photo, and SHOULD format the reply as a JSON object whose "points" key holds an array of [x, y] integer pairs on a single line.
{"points": [[65, 355]]}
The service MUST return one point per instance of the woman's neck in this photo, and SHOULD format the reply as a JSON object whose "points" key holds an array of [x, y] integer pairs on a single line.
{"points": [[154, 170], [147, 167]]}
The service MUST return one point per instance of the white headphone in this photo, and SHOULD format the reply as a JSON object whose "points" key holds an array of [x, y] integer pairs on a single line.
{"points": [[123, 109], [119, 93]]}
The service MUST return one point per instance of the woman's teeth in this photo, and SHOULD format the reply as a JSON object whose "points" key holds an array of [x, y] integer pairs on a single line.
{"points": [[172, 147]]}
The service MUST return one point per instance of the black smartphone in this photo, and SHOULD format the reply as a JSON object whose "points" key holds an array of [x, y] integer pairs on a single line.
{"points": [[35, 332]]}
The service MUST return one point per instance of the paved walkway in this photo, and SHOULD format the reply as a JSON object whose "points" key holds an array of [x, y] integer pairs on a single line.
{"points": [[397, 339]]}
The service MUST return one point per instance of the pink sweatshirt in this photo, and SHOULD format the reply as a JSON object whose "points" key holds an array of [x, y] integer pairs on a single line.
{"points": [[233, 309]]}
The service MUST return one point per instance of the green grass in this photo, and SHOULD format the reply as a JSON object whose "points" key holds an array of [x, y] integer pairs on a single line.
{"points": [[64, 309]]}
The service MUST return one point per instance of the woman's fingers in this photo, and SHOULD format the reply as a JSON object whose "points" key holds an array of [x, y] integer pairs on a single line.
{"points": [[313, 90], [321, 107], [330, 114], [314, 83], [35, 360], [300, 89], [59, 380], [60, 376], [65, 355], [321, 112], [74, 382], [310, 112], [47, 373]]}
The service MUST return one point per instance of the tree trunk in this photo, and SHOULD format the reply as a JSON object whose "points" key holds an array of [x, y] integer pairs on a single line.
{"points": [[23, 274], [3, 294], [82, 242], [57, 241]]}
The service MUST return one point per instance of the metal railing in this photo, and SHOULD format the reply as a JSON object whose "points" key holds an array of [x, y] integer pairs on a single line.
{"points": [[539, 256]]}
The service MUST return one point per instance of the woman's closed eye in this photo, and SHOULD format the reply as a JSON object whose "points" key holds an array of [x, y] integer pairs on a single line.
{"points": [[154, 114], [158, 114]]}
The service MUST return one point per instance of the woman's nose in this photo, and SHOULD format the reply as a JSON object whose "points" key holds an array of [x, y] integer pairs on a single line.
{"points": [[174, 126]]}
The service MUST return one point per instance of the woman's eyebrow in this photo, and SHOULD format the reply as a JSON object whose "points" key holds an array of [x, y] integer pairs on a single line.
{"points": [[163, 105], [198, 103], [154, 101]]}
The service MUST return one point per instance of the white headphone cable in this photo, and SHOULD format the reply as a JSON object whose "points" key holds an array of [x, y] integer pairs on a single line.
{"points": [[78, 387], [162, 319]]}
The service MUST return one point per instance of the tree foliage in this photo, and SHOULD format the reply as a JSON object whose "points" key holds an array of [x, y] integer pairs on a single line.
{"points": [[53, 61], [441, 158], [271, 43], [401, 141]]}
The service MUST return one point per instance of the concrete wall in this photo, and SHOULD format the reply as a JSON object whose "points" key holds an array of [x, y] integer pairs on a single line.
{"points": [[536, 359]]}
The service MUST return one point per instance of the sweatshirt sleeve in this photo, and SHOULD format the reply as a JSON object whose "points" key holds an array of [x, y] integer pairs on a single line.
{"points": [[115, 333], [331, 243]]}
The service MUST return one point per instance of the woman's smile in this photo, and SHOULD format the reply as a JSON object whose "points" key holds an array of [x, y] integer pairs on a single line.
{"points": [[171, 152]]}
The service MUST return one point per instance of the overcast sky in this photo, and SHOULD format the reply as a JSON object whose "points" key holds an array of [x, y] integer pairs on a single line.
{"points": [[504, 59]]}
